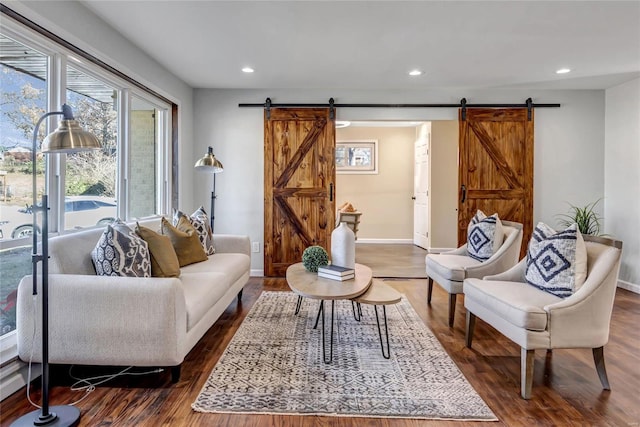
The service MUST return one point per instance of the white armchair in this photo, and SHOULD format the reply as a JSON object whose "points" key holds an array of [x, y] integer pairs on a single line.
{"points": [[535, 319], [449, 269]]}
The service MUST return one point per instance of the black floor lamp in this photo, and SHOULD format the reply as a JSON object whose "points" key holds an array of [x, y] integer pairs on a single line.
{"points": [[67, 138], [210, 164]]}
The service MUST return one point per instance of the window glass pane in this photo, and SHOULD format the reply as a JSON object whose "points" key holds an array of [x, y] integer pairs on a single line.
{"points": [[143, 159], [23, 72], [91, 175]]}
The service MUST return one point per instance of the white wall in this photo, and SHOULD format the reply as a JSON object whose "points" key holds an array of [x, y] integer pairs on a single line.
{"points": [[383, 198], [622, 176], [80, 27], [569, 149], [444, 185]]}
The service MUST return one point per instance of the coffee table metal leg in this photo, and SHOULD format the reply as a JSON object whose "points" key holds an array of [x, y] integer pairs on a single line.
{"points": [[324, 352], [320, 311], [298, 304], [386, 331]]}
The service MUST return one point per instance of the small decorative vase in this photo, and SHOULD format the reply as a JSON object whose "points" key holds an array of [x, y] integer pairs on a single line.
{"points": [[343, 246]]}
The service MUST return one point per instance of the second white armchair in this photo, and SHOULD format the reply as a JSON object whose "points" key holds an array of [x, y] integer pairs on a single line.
{"points": [[449, 269]]}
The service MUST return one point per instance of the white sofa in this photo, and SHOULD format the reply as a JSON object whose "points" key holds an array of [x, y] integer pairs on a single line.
{"points": [[128, 321]]}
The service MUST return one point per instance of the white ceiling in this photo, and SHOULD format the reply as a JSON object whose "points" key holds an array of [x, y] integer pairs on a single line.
{"points": [[374, 44]]}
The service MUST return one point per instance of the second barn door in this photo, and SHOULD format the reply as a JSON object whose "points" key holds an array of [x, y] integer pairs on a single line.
{"points": [[496, 167]]}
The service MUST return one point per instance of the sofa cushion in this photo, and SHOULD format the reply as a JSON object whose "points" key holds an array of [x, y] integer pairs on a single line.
{"points": [[120, 252], [517, 303], [201, 292], [450, 267], [232, 264], [200, 221], [185, 241], [484, 236], [164, 261], [556, 261]]}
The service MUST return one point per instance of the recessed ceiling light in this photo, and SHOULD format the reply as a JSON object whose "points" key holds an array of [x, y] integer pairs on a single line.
{"points": [[342, 124], [415, 73], [563, 71], [248, 70]]}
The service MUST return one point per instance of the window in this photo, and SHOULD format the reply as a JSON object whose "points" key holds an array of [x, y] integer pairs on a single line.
{"points": [[128, 178], [23, 94], [357, 157], [92, 174]]}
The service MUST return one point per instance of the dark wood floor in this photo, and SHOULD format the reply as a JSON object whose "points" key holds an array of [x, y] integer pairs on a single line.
{"points": [[566, 389]]}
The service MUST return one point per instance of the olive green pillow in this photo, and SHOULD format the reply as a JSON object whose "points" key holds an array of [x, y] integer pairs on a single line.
{"points": [[185, 241], [164, 261]]}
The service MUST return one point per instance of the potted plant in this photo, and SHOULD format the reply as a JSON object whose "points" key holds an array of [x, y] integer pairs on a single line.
{"points": [[314, 257], [586, 217]]}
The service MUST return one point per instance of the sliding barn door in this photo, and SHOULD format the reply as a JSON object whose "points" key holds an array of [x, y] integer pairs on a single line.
{"points": [[299, 179], [496, 167]]}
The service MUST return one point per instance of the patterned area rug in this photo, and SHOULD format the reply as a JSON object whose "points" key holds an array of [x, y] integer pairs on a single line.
{"points": [[274, 365]]}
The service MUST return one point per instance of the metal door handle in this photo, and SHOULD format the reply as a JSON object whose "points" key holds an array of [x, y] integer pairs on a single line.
{"points": [[464, 193], [331, 192]]}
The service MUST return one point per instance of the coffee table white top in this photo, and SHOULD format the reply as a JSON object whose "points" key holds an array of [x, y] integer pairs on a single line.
{"points": [[310, 285]]}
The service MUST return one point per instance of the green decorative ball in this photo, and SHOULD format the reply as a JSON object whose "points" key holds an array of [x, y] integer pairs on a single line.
{"points": [[314, 257]]}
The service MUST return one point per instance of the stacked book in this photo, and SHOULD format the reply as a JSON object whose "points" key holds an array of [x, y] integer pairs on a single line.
{"points": [[336, 272]]}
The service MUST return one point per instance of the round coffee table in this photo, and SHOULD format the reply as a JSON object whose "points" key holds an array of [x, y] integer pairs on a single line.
{"points": [[310, 285]]}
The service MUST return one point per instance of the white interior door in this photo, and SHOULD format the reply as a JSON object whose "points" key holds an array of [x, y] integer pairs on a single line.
{"points": [[421, 187]]}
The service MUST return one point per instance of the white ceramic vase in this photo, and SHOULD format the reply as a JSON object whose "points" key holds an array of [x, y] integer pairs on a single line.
{"points": [[343, 246]]}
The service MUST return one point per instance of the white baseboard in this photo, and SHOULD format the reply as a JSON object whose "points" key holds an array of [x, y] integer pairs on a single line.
{"points": [[13, 377], [386, 241], [256, 273], [629, 286]]}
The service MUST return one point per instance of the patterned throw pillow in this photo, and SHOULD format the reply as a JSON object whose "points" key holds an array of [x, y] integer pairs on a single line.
{"points": [[484, 236], [200, 221], [120, 252], [556, 261]]}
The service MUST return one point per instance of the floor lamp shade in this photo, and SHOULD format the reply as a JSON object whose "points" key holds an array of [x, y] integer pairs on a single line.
{"points": [[211, 165], [69, 137]]}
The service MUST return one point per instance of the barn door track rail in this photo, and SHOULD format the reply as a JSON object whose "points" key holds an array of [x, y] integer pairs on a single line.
{"points": [[463, 105]]}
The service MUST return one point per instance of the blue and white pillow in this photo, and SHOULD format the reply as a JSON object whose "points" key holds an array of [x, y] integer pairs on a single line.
{"points": [[484, 236], [556, 260], [121, 252]]}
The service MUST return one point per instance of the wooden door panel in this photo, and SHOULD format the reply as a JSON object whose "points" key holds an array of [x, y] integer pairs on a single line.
{"points": [[299, 172], [496, 167]]}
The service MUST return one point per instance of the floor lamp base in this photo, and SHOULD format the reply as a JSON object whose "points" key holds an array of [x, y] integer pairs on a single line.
{"points": [[63, 415]]}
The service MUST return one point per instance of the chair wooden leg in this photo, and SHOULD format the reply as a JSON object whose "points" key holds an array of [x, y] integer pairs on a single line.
{"points": [[452, 308], [471, 325], [175, 373], [598, 358], [429, 290], [526, 372]]}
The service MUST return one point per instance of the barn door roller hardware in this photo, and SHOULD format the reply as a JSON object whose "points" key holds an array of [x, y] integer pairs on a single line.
{"points": [[332, 105]]}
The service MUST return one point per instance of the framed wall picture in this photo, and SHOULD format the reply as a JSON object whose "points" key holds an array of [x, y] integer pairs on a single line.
{"points": [[357, 157]]}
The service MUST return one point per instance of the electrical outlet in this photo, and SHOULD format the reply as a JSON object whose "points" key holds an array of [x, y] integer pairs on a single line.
{"points": [[255, 246]]}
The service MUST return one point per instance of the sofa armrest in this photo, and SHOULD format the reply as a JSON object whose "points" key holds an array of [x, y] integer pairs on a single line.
{"points": [[582, 320], [514, 274], [232, 243], [462, 250], [105, 320]]}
